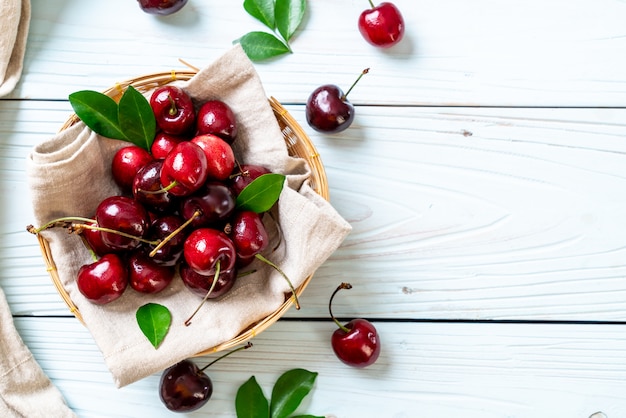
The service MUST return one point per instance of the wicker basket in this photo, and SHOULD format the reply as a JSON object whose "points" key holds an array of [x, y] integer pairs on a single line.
{"points": [[298, 144]]}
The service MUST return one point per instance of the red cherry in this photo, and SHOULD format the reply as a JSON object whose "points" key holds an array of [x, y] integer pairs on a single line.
{"points": [[248, 234], [200, 284], [163, 143], [125, 215], [126, 162], [146, 275], [184, 387], [356, 343], [173, 109], [161, 7], [184, 169], [205, 246], [382, 25], [104, 280], [220, 156], [244, 175], [217, 118]]}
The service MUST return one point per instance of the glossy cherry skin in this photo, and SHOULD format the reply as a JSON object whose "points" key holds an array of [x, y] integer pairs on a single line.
{"points": [[173, 109], [248, 234], [215, 202], [205, 246], [200, 284], [217, 118], [328, 110], [360, 347], [382, 26], [104, 280], [122, 214], [93, 237], [146, 182], [186, 165], [146, 275], [126, 162], [184, 388], [163, 143], [220, 156], [244, 175], [162, 227]]}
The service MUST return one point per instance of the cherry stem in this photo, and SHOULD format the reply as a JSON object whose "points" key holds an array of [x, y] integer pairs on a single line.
{"points": [[365, 71], [372, 4], [93, 254], [293, 290], [173, 108], [341, 286], [65, 221], [174, 233], [206, 297], [161, 190], [112, 231], [249, 345]]}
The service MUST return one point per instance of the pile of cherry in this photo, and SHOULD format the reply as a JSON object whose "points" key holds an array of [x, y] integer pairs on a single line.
{"points": [[177, 210]]}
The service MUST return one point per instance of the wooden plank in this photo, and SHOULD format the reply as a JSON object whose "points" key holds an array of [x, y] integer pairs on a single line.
{"points": [[457, 213], [425, 369], [518, 53]]}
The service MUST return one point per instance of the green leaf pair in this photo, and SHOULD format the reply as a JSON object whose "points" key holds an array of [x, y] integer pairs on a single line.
{"points": [[288, 392], [131, 120], [282, 17]]}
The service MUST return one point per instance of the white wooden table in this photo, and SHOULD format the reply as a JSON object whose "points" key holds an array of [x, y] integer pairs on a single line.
{"points": [[484, 177]]}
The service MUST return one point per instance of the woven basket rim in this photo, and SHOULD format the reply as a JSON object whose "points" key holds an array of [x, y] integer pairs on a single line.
{"points": [[298, 144]]}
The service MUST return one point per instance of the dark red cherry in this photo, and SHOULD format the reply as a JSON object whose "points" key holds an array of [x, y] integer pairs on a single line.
{"points": [[356, 343], [200, 284], [244, 175], [127, 161], [214, 200], [104, 280], [248, 234], [161, 7], [184, 169], [173, 109], [217, 118], [93, 237], [122, 214], [161, 228], [184, 387], [146, 275], [147, 188]]}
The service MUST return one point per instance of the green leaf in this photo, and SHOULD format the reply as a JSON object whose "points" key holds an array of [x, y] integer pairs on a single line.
{"points": [[259, 46], [260, 195], [98, 111], [250, 401], [154, 321], [136, 118], [289, 15], [289, 391], [262, 10]]}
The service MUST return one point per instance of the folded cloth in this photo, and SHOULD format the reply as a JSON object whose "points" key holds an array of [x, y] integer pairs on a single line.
{"points": [[14, 23], [69, 175], [25, 391]]}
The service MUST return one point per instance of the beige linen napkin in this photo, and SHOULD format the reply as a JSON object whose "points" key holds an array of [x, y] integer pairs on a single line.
{"points": [[25, 391], [69, 174], [14, 23]]}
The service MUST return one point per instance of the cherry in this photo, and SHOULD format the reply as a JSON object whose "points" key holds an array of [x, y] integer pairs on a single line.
{"points": [[163, 143], [214, 200], [146, 275], [219, 154], [93, 238], [104, 280], [248, 235], [147, 183], [161, 228], [125, 219], [184, 387], [184, 169], [204, 247], [173, 109], [244, 175], [126, 162], [356, 343], [217, 118], [201, 284], [328, 109], [382, 25], [161, 7]]}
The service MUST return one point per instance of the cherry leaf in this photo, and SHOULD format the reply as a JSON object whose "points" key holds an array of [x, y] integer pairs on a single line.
{"points": [[98, 111], [262, 10], [289, 391], [260, 195], [259, 46], [154, 321], [136, 118], [250, 401], [289, 15]]}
